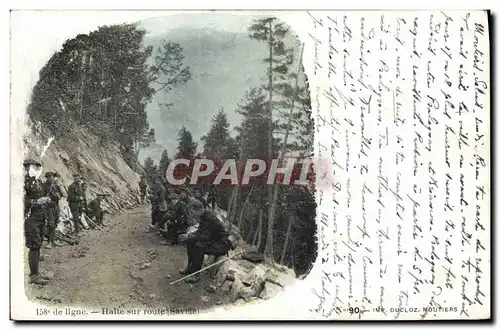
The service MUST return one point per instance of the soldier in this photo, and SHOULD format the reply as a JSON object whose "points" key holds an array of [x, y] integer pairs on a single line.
{"points": [[167, 191], [198, 194], [157, 197], [63, 194], [77, 201], [178, 218], [35, 218], [210, 238], [61, 190], [96, 211], [143, 186], [212, 196], [51, 189], [84, 188]]}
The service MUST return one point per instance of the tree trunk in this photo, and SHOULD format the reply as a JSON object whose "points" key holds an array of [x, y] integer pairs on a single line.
{"points": [[268, 245], [287, 239], [235, 204], [263, 233], [230, 202], [231, 209], [240, 219], [272, 203], [259, 230]]}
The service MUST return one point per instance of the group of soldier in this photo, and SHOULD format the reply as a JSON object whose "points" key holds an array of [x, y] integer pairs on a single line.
{"points": [[173, 215], [42, 212], [77, 201]]}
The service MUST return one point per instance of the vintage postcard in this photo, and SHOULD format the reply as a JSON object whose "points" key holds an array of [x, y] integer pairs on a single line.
{"points": [[232, 165]]}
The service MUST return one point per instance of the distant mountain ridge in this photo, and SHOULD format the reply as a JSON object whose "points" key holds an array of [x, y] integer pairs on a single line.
{"points": [[224, 66]]}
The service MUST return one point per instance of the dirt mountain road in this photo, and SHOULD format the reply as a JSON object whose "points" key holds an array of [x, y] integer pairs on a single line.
{"points": [[123, 266]]}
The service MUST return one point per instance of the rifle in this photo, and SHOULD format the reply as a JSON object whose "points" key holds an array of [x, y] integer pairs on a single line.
{"points": [[208, 267]]}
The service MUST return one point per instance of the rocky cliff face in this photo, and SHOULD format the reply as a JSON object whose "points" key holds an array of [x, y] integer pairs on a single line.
{"points": [[101, 163]]}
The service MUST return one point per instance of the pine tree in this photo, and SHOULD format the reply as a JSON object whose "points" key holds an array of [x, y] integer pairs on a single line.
{"points": [[297, 128], [299, 124], [144, 139], [169, 69], [272, 32], [186, 147], [253, 142], [118, 83], [254, 126], [164, 162], [218, 144], [150, 168], [292, 94]]}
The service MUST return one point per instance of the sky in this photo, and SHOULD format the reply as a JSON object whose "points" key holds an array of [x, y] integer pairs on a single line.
{"points": [[234, 22], [225, 63]]}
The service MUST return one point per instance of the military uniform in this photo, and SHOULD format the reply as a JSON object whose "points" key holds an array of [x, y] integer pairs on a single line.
{"points": [[77, 203], [167, 191], [35, 203], [158, 202], [210, 238], [95, 210], [212, 196], [143, 186], [36, 215], [53, 190], [61, 190], [84, 188], [198, 194], [177, 219]]}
